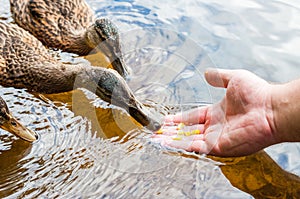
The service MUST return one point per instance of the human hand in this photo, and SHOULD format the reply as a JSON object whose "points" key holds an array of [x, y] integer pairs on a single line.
{"points": [[241, 124]]}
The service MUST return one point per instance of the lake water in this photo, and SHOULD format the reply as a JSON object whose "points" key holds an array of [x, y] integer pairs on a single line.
{"points": [[88, 152]]}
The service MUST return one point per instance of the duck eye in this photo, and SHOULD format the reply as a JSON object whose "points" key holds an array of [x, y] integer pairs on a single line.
{"points": [[13, 123]]}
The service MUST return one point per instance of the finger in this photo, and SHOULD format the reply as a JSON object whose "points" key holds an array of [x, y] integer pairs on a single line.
{"points": [[204, 143], [184, 131], [181, 127], [194, 129], [219, 77], [198, 146], [194, 116], [167, 130], [194, 143]]}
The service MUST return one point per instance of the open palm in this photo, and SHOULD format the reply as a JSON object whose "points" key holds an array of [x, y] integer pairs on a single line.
{"points": [[242, 123]]}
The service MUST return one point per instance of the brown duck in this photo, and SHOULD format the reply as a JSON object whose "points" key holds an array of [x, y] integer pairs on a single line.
{"points": [[26, 63], [12, 125], [69, 25]]}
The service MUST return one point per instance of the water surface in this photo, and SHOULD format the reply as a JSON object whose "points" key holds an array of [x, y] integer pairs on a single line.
{"points": [[88, 152]]}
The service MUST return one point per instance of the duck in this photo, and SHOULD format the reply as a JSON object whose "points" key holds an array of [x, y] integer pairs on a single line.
{"points": [[26, 63], [70, 25], [9, 123]]}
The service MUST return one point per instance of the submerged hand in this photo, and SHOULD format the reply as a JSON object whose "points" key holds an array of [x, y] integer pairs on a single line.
{"points": [[241, 124]]}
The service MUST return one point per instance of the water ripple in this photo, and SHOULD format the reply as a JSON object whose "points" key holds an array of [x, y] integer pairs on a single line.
{"points": [[168, 47]]}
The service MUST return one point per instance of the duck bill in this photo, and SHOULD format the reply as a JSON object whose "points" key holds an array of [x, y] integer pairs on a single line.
{"points": [[147, 120], [15, 127], [120, 67]]}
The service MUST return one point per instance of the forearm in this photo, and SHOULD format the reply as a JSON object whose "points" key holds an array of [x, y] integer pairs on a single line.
{"points": [[286, 111]]}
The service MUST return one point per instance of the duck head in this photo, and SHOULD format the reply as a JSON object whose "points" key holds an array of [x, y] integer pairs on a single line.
{"points": [[12, 125], [112, 88], [103, 35]]}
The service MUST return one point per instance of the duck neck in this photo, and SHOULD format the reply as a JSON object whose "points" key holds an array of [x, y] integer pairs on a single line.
{"points": [[62, 79], [87, 42], [67, 77], [43, 78], [78, 45]]}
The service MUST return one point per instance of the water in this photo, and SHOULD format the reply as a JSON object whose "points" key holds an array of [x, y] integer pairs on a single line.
{"points": [[101, 153]]}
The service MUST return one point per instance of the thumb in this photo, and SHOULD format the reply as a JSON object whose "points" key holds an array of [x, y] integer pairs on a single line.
{"points": [[218, 77]]}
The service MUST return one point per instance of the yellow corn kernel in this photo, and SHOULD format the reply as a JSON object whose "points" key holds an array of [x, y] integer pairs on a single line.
{"points": [[195, 132], [187, 133], [180, 126], [160, 131], [177, 138], [180, 133]]}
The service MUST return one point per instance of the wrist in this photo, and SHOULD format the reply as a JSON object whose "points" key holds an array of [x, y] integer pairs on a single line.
{"points": [[285, 100]]}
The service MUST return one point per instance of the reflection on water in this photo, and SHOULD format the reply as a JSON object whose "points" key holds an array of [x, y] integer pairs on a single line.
{"points": [[260, 176], [89, 149]]}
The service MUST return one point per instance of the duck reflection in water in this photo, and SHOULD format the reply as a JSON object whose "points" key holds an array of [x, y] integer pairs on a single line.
{"points": [[12, 171], [260, 176]]}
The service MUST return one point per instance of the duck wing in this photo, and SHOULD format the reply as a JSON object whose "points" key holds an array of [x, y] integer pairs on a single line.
{"points": [[56, 23]]}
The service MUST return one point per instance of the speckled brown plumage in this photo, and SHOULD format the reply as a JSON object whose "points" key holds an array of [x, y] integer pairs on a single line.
{"points": [[57, 23], [69, 25], [26, 63], [3, 111]]}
